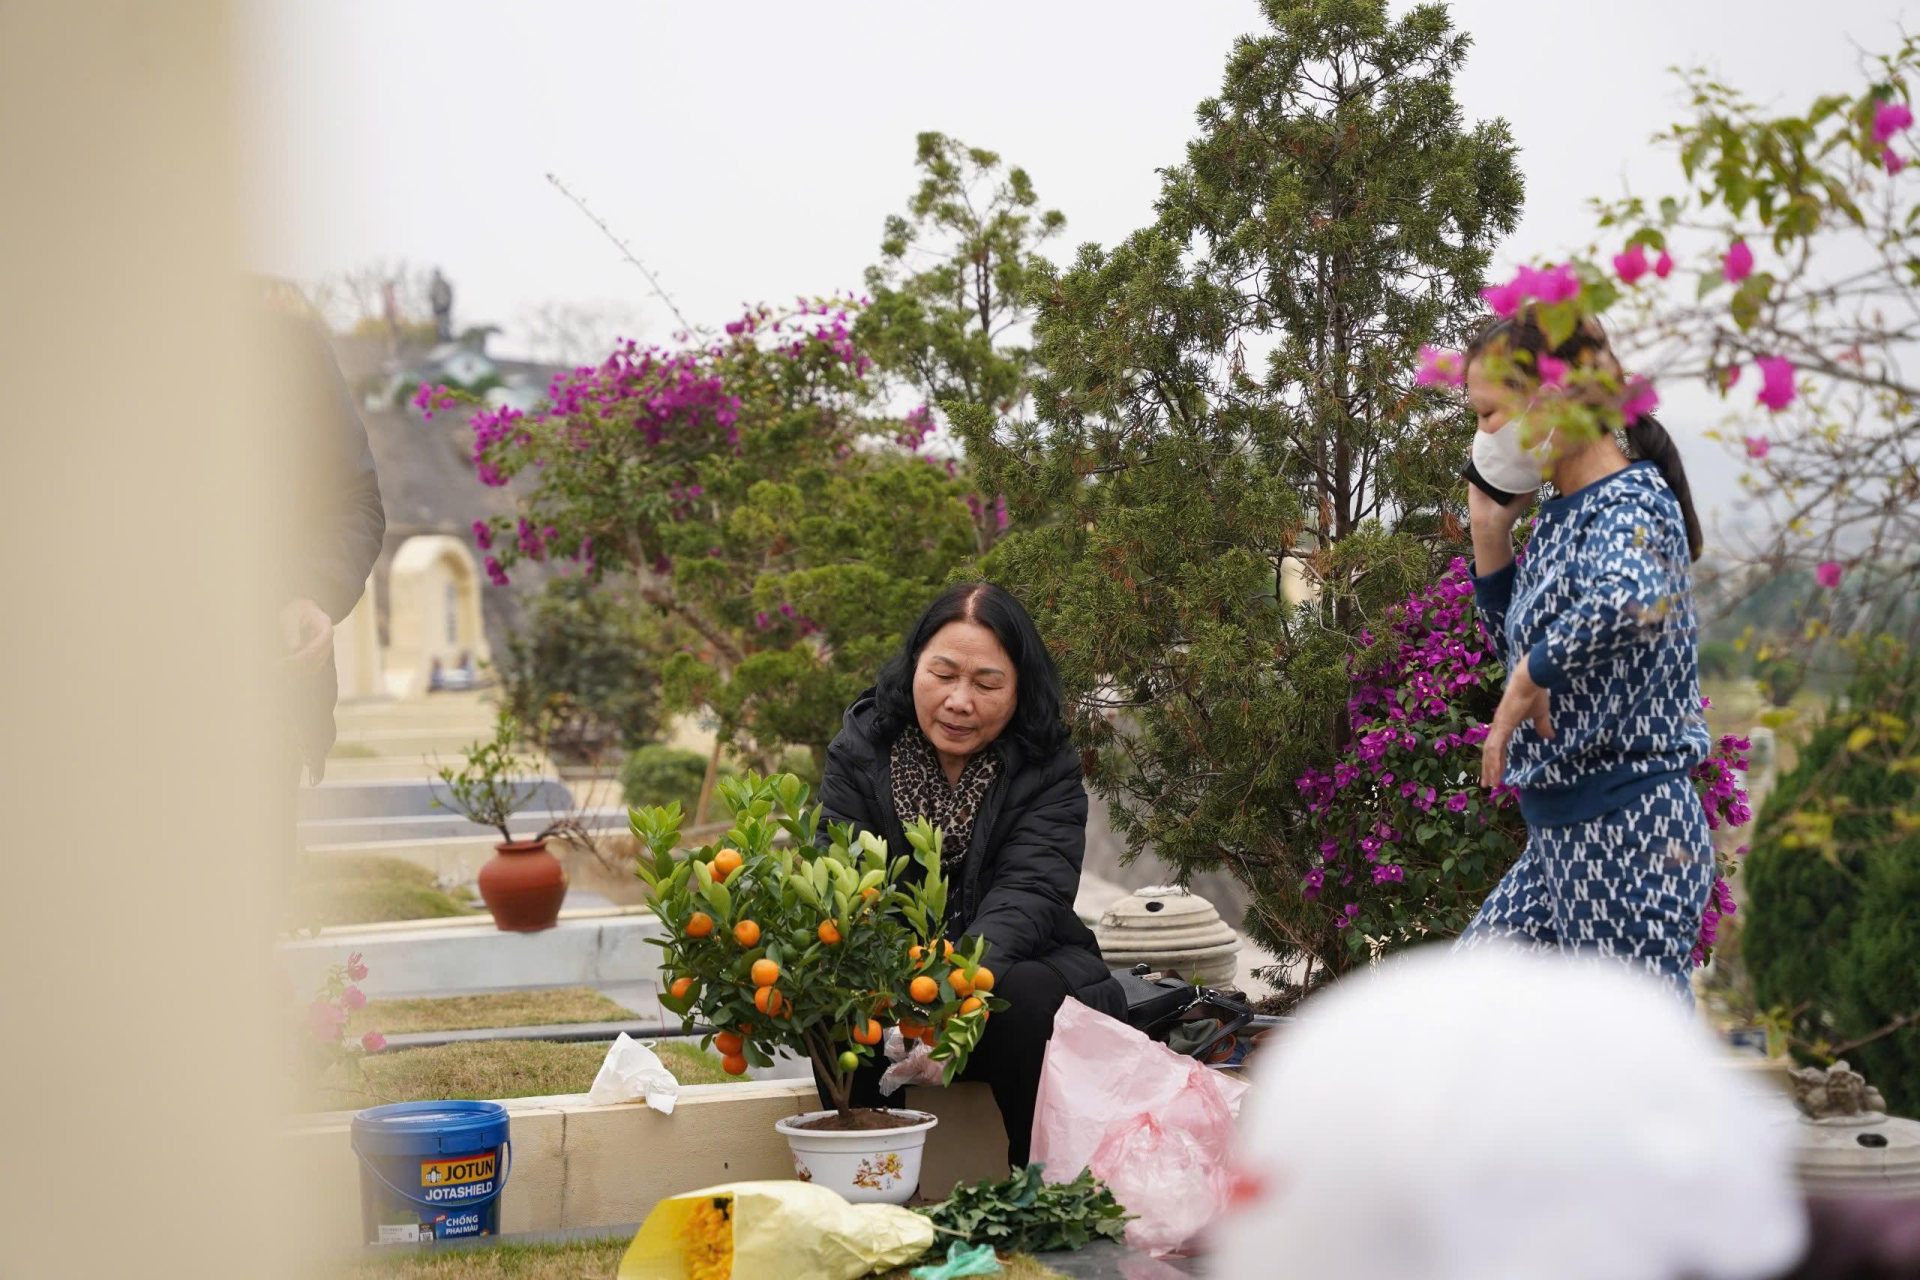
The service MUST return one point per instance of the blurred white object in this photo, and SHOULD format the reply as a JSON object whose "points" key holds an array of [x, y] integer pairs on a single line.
{"points": [[634, 1071], [1496, 1116], [910, 1066]]}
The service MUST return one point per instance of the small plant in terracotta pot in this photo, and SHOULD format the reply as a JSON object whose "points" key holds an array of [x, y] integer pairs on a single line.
{"points": [[817, 947], [523, 884]]}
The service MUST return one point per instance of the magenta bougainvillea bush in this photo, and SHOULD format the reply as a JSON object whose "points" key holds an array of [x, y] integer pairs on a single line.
{"points": [[1410, 842]]}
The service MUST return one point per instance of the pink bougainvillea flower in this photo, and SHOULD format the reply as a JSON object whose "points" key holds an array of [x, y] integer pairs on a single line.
{"points": [[356, 970], [1503, 299], [1776, 382], [1828, 575], [1893, 160], [1632, 264], [1439, 367], [1552, 372], [1663, 265], [353, 998], [1758, 446], [1890, 118], [1641, 400], [495, 573], [1551, 284], [373, 1042], [1738, 264], [325, 1020]]}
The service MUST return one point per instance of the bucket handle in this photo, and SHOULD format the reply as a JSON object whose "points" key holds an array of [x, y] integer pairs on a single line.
{"points": [[506, 1153]]}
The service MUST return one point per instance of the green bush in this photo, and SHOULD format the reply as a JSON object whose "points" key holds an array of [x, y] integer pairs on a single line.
{"points": [[800, 762], [661, 775], [1833, 884], [574, 673], [1719, 660], [1781, 679]]}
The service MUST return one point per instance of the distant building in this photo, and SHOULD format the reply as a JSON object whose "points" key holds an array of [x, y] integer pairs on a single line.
{"points": [[429, 619]]}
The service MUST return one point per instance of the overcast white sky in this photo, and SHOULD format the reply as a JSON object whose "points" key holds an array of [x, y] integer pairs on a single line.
{"points": [[750, 151]]}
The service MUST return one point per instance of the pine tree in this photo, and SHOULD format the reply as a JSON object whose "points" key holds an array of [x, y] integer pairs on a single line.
{"points": [[1229, 392]]}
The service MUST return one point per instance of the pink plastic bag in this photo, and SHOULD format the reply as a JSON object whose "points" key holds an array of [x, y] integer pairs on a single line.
{"points": [[1154, 1125], [1169, 1176]]}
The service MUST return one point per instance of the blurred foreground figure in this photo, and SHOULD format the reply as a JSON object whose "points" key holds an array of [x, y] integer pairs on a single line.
{"points": [[1862, 1239], [1496, 1115], [337, 520]]}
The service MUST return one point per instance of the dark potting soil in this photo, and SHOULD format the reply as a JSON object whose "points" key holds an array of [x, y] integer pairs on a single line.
{"points": [[860, 1119]]}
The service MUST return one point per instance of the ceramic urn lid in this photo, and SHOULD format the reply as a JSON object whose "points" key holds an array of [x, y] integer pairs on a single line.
{"points": [[1169, 928]]}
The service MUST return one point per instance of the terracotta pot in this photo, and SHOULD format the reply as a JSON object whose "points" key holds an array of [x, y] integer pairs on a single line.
{"points": [[523, 886]]}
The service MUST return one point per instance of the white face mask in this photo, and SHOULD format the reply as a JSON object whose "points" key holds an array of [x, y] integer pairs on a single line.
{"points": [[1506, 463]]}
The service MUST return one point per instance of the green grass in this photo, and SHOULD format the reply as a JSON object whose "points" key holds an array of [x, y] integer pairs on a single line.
{"points": [[589, 1260], [352, 751], [348, 868], [364, 889], [493, 1069], [497, 1009]]}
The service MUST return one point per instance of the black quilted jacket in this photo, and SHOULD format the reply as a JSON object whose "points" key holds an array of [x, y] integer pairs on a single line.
{"points": [[1022, 870]]}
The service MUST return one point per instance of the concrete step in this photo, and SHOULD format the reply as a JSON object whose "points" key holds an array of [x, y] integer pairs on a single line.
{"points": [[462, 707], [407, 798], [402, 740], [468, 954], [525, 824]]}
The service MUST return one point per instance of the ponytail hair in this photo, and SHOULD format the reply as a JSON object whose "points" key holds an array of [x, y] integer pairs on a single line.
{"points": [[1586, 348], [1647, 439]]}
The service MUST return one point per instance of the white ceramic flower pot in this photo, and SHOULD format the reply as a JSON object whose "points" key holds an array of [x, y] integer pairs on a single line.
{"points": [[867, 1166]]}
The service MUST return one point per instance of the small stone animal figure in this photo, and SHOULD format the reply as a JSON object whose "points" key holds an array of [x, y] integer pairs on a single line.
{"points": [[1836, 1091]]}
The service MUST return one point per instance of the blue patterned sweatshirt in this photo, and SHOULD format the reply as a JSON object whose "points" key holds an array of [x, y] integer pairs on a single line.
{"points": [[1600, 605]]}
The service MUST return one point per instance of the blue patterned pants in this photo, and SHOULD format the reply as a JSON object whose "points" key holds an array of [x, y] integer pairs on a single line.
{"points": [[1630, 885]]}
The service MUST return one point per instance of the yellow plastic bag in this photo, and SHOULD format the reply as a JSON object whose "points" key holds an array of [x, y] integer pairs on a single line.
{"points": [[772, 1231]]}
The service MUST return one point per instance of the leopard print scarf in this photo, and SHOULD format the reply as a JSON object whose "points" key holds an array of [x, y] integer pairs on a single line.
{"points": [[921, 790]]}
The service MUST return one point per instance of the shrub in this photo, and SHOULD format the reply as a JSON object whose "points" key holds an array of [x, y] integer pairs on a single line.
{"points": [[1781, 679], [574, 672], [662, 775], [806, 948], [1719, 660], [1410, 844], [1834, 887]]}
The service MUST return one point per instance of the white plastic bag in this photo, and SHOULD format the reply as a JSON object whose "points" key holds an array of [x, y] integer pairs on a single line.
{"points": [[910, 1066], [1107, 1087], [631, 1072]]}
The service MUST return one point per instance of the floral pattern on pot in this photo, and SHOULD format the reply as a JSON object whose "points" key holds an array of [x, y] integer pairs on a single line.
{"points": [[801, 1171], [872, 1172]]}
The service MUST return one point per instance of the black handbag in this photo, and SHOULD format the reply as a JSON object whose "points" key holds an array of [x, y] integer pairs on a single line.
{"points": [[1158, 1003]]}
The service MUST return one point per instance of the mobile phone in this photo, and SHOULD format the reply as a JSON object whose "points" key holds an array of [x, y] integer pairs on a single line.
{"points": [[1473, 477]]}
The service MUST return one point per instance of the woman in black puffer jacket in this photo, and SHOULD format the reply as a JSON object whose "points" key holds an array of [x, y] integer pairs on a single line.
{"points": [[964, 728]]}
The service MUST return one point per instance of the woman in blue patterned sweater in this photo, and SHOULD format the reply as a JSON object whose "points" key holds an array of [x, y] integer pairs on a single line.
{"points": [[1601, 721]]}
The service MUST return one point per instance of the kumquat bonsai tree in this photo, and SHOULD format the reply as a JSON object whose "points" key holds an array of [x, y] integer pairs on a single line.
{"points": [[780, 939]]}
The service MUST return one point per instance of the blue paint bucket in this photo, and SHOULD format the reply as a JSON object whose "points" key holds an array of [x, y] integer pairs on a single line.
{"points": [[431, 1170]]}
